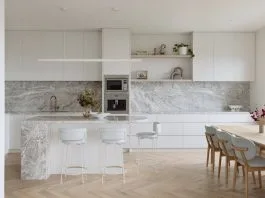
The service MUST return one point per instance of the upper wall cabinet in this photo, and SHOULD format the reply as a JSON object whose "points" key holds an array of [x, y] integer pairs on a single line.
{"points": [[24, 48], [224, 56], [116, 45]]}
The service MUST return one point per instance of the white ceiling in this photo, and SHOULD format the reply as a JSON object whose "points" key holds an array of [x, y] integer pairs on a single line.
{"points": [[141, 16]]}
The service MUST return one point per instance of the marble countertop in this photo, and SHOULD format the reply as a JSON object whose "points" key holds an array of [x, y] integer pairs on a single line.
{"points": [[68, 119]]}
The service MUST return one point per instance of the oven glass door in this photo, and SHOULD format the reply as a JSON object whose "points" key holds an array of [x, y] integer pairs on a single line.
{"points": [[116, 105]]}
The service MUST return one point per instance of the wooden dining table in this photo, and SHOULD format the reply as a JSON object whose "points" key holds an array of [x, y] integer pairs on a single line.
{"points": [[250, 132]]}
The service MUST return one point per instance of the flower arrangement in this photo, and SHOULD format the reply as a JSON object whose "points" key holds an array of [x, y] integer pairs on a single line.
{"points": [[87, 99], [259, 117], [258, 114]]}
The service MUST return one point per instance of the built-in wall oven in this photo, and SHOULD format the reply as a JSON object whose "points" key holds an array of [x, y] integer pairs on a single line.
{"points": [[116, 103], [116, 83]]}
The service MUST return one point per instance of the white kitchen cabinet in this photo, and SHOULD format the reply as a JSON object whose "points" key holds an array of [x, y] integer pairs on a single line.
{"points": [[13, 55], [24, 48], [52, 47], [116, 45], [7, 132], [203, 62], [224, 56], [234, 57], [73, 48], [92, 49]]}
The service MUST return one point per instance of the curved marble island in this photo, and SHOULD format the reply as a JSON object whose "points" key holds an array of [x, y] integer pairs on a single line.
{"points": [[41, 150]]}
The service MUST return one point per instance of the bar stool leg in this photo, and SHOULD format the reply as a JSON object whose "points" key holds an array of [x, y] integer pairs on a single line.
{"points": [[122, 165], [63, 164], [82, 168], [105, 164]]}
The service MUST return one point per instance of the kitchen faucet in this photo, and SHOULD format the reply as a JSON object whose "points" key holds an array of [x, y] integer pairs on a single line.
{"points": [[53, 103]]}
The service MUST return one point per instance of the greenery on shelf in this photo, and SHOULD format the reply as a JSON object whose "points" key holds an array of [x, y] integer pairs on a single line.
{"points": [[178, 45]]}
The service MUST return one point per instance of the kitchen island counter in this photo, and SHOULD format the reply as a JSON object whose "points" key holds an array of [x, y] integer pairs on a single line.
{"points": [[41, 150]]}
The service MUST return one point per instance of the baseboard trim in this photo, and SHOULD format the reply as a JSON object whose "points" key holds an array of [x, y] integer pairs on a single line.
{"points": [[13, 150]]}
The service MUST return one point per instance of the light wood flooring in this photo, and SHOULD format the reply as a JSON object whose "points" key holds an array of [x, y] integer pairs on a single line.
{"points": [[178, 174]]}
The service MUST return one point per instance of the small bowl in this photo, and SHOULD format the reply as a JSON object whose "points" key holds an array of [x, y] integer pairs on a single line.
{"points": [[235, 108], [99, 115]]}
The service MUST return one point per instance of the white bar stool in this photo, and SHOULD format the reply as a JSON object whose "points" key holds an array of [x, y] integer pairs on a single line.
{"points": [[153, 136], [113, 136], [72, 137]]}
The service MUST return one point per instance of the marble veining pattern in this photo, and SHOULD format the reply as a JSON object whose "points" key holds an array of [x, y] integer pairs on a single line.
{"points": [[174, 97], [34, 96], [34, 144]]}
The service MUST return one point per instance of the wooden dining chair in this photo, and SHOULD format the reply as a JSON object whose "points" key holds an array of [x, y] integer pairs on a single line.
{"points": [[225, 144], [246, 155], [213, 146]]}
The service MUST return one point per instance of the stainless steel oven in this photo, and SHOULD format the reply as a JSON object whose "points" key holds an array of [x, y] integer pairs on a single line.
{"points": [[116, 83], [116, 103]]}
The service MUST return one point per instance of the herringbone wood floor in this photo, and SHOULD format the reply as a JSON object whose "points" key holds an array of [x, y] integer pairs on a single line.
{"points": [[178, 174]]}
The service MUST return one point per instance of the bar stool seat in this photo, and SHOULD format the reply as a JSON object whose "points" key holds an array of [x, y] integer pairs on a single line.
{"points": [[146, 135]]}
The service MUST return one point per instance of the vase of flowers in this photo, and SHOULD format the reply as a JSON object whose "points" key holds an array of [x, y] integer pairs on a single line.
{"points": [[87, 100], [259, 117]]}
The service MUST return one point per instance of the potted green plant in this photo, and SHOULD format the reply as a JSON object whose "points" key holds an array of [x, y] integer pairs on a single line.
{"points": [[182, 49], [87, 100]]}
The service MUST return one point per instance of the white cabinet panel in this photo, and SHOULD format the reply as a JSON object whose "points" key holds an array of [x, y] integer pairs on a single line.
{"points": [[172, 129], [7, 132], [73, 48], [31, 52], [169, 118], [52, 47], [234, 55], [194, 142], [170, 142], [13, 55], [141, 127], [193, 128], [226, 118], [203, 65], [116, 45], [92, 49], [15, 131]]}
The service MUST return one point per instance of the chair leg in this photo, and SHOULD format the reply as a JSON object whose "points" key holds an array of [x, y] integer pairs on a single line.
{"points": [[254, 178], [207, 160], [220, 163], [213, 159], [246, 182], [260, 181], [243, 172], [235, 174], [226, 169]]}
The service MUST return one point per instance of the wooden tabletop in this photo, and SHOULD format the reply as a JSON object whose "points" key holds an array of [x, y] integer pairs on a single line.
{"points": [[250, 132]]}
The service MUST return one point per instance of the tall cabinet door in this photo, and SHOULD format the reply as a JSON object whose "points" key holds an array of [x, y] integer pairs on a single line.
{"points": [[52, 48], [234, 57], [13, 55], [92, 49], [203, 65], [73, 46]]}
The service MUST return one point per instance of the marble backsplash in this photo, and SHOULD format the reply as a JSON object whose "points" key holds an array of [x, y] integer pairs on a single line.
{"points": [[34, 96], [170, 97], [146, 97]]}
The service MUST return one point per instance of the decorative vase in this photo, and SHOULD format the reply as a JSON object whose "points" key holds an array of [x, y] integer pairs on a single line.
{"points": [[87, 112], [183, 50], [261, 123]]}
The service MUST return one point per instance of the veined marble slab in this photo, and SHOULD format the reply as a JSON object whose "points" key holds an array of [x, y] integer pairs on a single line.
{"points": [[168, 97]]}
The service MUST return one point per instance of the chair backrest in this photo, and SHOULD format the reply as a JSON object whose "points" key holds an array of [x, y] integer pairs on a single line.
{"points": [[225, 142], [211, 137], [157, 127], [244, 149], [113, 134], [74, 135]]}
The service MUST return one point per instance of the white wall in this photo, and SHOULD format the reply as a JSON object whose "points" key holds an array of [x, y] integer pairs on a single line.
{"points": [[2, 110], [257, 88]]}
